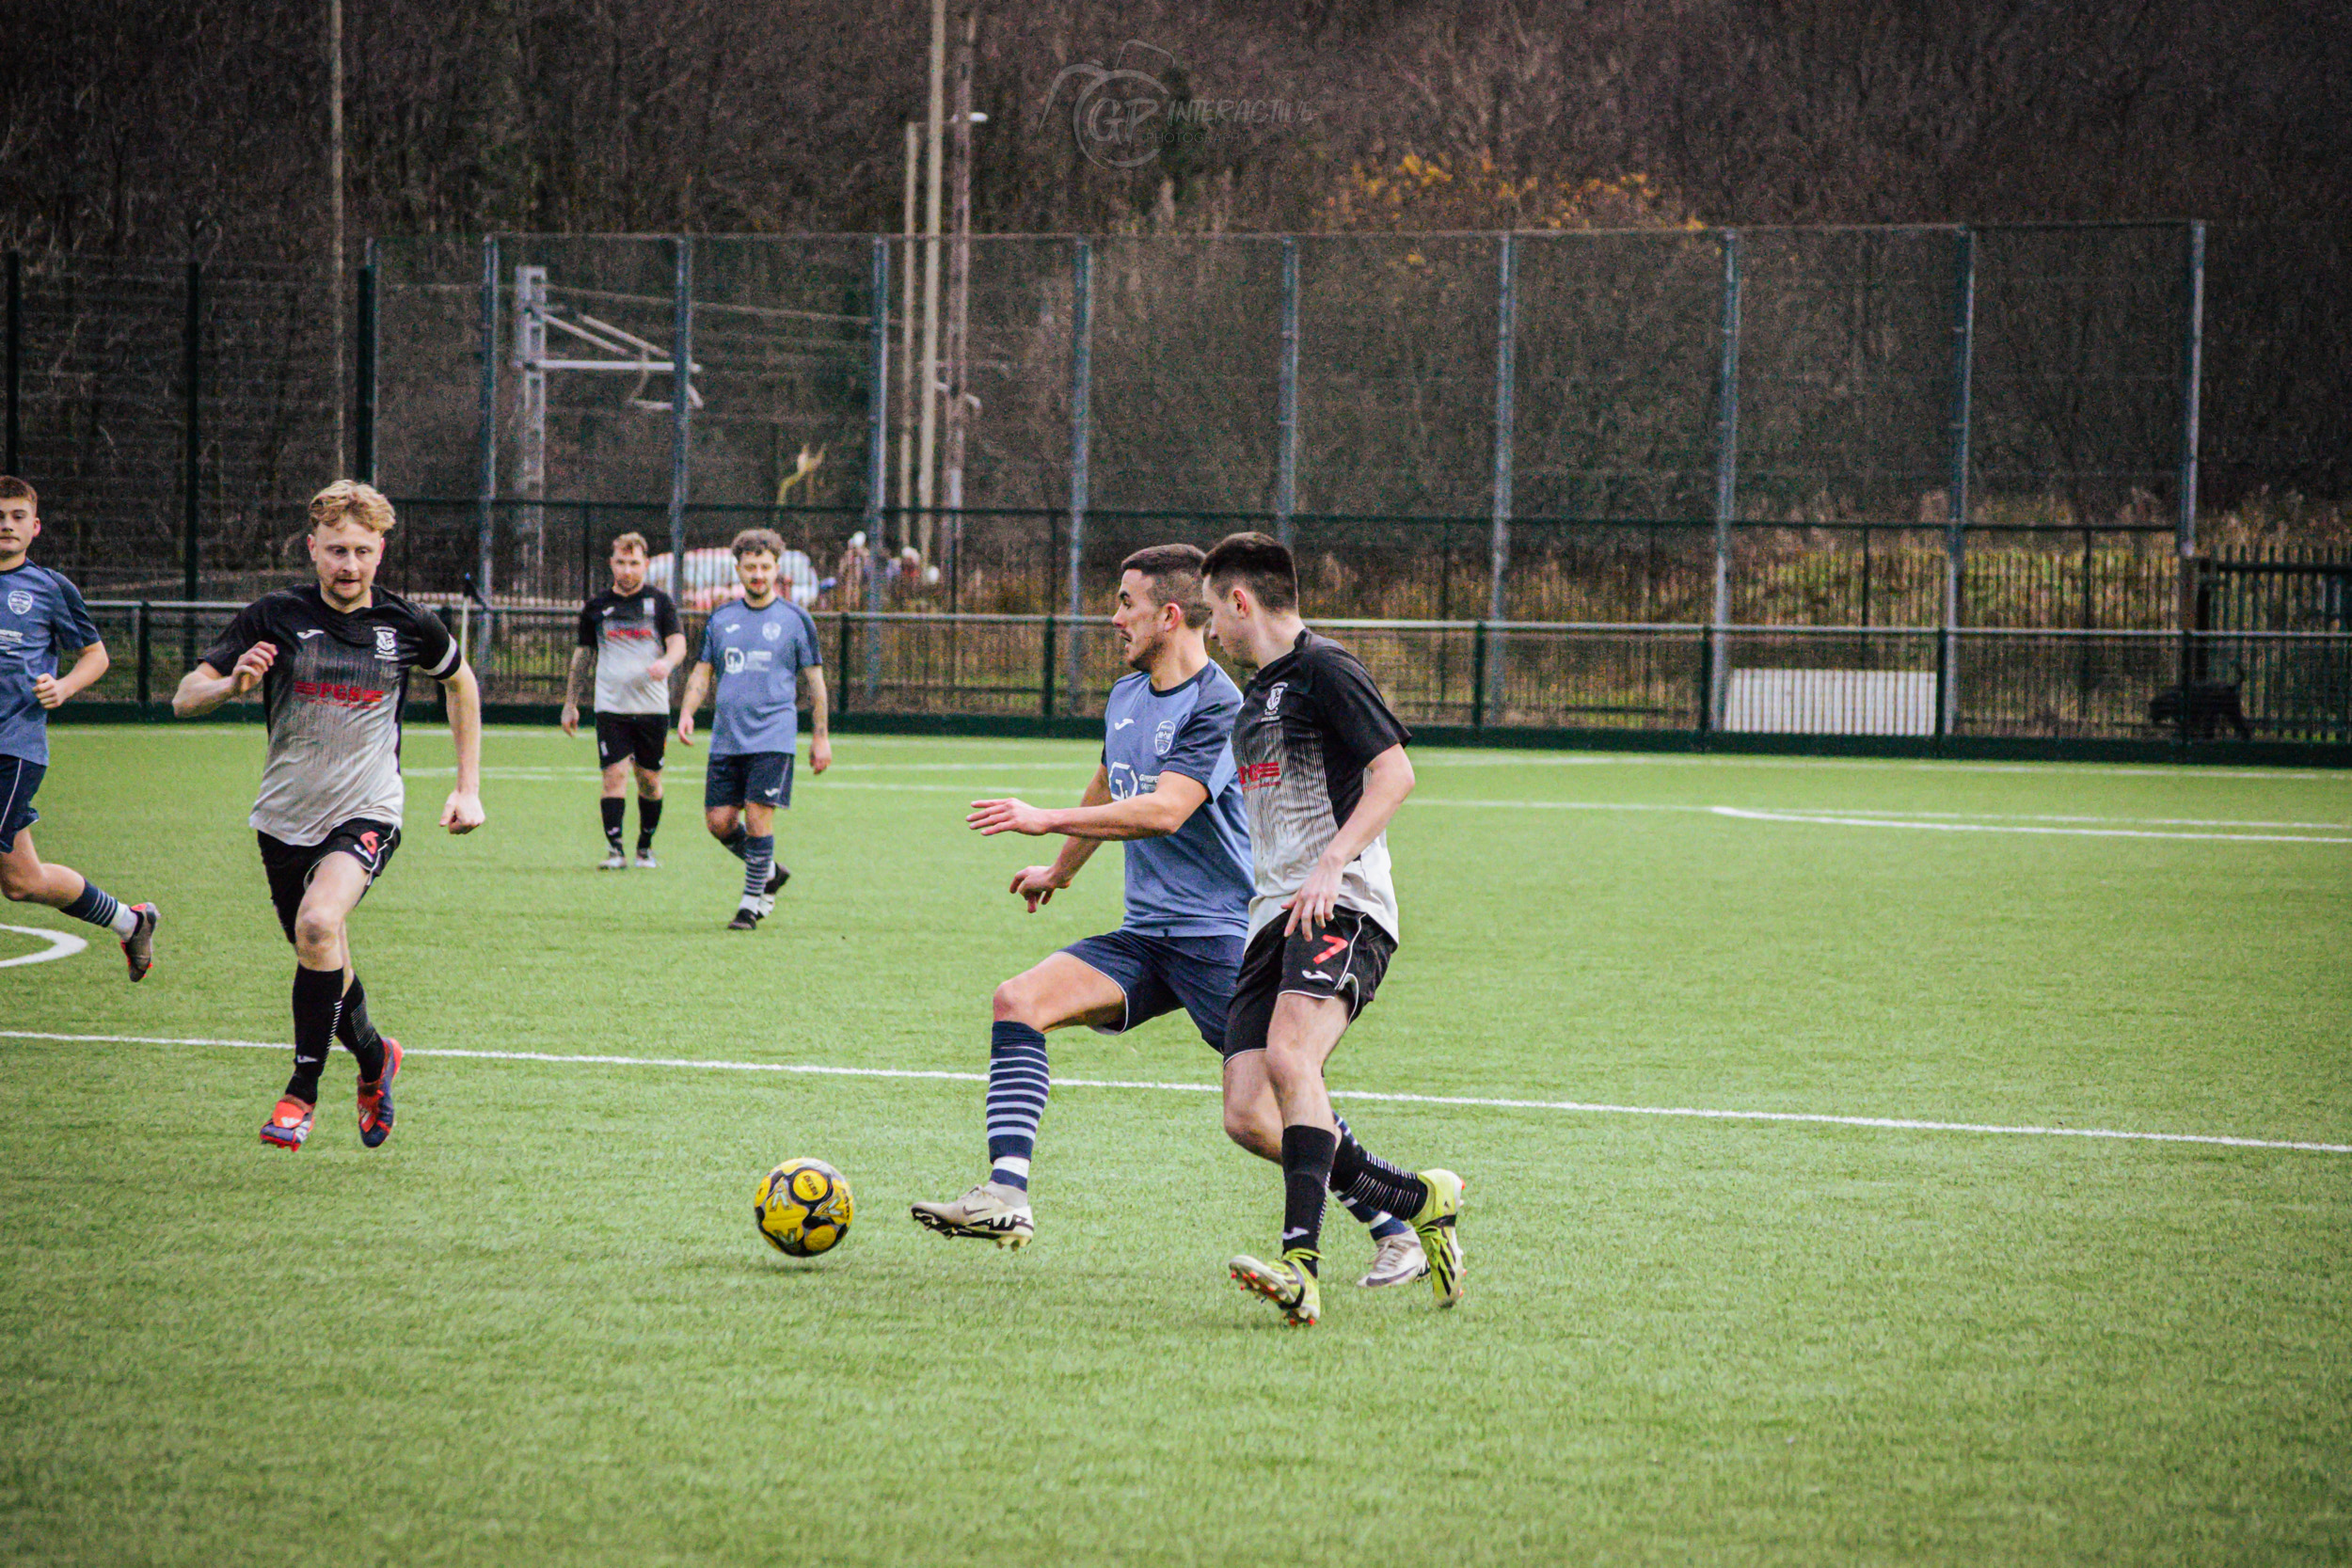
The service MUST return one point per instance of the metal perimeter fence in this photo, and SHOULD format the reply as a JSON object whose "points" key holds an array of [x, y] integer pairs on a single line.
{"points": [[2052, 684]]}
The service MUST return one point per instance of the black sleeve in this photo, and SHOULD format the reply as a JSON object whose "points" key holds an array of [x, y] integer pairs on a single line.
{"points": [[665, 622], [588, 625], [251, 626], [1352, 708], [436, 650]]}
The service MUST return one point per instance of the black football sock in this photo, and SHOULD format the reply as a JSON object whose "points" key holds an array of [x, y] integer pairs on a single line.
{"points": [[648, 818], [1306, 1174], [318, 998], [733, 843], [612, 807], [1362, 1175], [359, 1034]]}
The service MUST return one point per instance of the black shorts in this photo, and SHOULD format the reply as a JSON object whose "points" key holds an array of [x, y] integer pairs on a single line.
{"points": [[1344, 960], [632, 736], [749, 777], [20, 780], [289, 865], [1159, 974]]}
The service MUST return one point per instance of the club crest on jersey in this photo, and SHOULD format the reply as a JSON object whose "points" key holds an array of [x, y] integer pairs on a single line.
{"points": [[1164, 736], [21, 602], [387, 642], [1274, 697], [771, 631]]}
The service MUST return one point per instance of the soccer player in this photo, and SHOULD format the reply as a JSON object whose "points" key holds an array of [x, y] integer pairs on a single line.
{"points": [[43, 619], [1166, 786], [619, 631], [761, 647], [332, 660], [1323, 770]]}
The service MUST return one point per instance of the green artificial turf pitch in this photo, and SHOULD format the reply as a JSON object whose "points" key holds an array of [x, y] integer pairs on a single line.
{"points": [[539, 1326]]}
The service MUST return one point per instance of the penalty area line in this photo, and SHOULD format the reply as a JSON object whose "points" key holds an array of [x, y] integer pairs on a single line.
{"points": [[1900, 1124]]}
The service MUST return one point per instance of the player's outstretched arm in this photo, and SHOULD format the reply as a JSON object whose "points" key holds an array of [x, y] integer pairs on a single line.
{"points": [[462, 814], [819, 731], [89, 665], [1154, 815], [697, 685], [1039, 883], [204, 688], [673, 654], [1387, 779], [575, 686]]}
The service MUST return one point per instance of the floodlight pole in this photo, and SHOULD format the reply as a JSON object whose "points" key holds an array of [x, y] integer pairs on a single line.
{"points": [[1726, 486], [960, 290], [335, 192], [934, 129], [363, 428], [2185, 529], [530, 352], [1286, 400], [1506, 419], [1956, 507], [1081, 443], [682, 409], [486, 420], [877, 448], [907, 270]]}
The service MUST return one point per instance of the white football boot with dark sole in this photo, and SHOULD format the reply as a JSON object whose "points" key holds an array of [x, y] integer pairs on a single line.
{"points": [[986, 1213]]}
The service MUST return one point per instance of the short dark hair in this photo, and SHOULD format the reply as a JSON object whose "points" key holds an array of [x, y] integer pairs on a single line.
{"points": [[15, 489], [1174, 573], [632, 542], [757, 539], [1261, 563]]}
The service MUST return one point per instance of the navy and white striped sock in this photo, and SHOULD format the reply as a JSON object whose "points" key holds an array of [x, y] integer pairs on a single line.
{"points": [[1383, 1224], [759, 855], [1018, 1082], [98, 907]]}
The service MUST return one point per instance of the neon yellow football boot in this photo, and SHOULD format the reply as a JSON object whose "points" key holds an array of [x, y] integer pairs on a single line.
{"points": [[1289, 1284], [1439, 1237]]}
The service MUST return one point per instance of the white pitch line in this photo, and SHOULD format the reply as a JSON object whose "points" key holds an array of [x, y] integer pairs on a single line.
{"points": [[1906, 1124], [2014, 828], [62, 945]]}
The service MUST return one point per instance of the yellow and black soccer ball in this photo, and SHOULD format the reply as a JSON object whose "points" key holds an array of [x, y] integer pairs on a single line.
{"points": [[803, 1207]]}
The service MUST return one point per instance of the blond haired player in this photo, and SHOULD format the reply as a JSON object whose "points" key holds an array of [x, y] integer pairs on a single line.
{"points": [[332, 660], [43, 619]]}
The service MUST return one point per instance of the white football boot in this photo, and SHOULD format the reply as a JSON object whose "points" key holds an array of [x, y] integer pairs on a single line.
{"points": [[1399, 1261], [986, 1213]]}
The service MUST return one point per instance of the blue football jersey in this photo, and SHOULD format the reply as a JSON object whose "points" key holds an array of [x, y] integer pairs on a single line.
{"points": [[758, 656], [42, 617], [1195, 881]]}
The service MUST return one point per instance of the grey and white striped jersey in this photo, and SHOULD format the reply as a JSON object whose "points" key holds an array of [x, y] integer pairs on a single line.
{"points": [[333, 700], [627, 630], [1309, 722]]}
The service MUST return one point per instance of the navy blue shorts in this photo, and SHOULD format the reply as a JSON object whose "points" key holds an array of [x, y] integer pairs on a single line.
{"points": [[1163, 974], [20, 780], [749, 777]]}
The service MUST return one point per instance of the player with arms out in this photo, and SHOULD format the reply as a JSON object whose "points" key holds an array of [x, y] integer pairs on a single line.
{"points": [[630, 634], [760, 647], [1166, 787], [42, 620], [332, 660], [1323, 770]]}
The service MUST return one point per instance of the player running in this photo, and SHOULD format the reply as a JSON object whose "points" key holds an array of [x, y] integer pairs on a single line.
{"points": [[619, 631], [1323, 769], [332, 660], [1166, 786], [41, 620], [761, 645]]}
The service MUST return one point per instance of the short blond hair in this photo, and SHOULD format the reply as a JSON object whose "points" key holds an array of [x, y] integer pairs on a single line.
{"points": [[632, 542], [347, 500], [15, 489]]}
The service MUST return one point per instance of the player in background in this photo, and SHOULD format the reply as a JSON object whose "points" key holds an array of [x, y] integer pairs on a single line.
{"points": [[1323, 769], [630, 634], [760, 646], [42, 620], [332, 660], [1166, 786]]}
